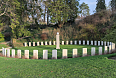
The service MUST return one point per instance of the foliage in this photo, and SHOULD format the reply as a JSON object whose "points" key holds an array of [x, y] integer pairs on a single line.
{"points": [[100, 5], [111, 34], [1, 37], [113, 5], [61, 11], [84, 9], [74, 10]]}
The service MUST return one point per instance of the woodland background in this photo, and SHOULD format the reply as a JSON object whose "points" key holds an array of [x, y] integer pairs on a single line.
{"points": [[51, 16]]}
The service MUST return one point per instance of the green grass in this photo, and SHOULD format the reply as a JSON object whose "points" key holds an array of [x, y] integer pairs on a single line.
{"points": [[3, 45], [82, 67]]}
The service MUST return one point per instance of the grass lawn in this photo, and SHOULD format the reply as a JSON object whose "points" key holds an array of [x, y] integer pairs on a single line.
{"points": [[3, 45], [81, 67]]}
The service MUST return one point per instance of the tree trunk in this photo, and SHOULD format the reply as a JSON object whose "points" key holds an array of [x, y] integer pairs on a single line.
{"points": [[12, 43], [47, 16], [44, 14], [60, 24]]}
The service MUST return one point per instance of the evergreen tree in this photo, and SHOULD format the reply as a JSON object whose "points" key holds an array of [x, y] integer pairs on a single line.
{"points": [[63, 10], [84, 9], [113, 5], [73, 4], [100, 5]]}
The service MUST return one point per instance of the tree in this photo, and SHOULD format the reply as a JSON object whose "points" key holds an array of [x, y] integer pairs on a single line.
{"points": [[15, 11], [113, 5], [59, 12], [100, 5], [84, 9], [47, 4], [111, 34], [73, 4]]}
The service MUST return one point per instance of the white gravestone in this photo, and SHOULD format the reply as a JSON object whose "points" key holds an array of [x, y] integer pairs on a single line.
{"points": [[19, 53], [79, 42], [93, 51], [95, 43], [100, 50], [66, 42], [75, 42], [25, 44], [83, 42], [37, 43], [8, 52], [57, 41], [62, 42], [54, 54], [35, 54], [87, 42], [49, 42], [64, 53], [45, 54], [98, 43], [29, 43], [102, 43], [42, 43], [54, 42], [71, 42], [27, 54], [110, 48], [105, 49], [13, 53], [45, 42], [108, 44], [84, 52], [74, 53], [91, 42], [33, 43], [113, 46], [5, 52]]}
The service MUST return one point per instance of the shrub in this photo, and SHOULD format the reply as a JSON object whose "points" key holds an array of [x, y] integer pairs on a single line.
{"points": [[1, 37]]}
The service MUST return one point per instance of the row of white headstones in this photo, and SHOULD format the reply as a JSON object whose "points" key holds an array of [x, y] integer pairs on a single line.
{"points": [[71, 42], [54, 52]]}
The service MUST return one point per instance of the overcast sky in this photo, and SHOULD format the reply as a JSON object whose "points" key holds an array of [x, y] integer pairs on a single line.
{"points": [[92, 4]]}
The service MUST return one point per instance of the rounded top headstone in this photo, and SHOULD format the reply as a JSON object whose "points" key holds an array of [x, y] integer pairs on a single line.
{"points": [[57, 33]]}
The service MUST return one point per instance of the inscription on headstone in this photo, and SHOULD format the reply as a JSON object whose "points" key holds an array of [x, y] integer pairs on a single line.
{"points": [[27, 54], [54, 54], [62, 42], [75, 42], [84, 52], [91, 42], [74, 53], [100, 50], [83, 42], [13, 53], [87, 42], [45, 54], [64, 53], [8, 52], [35, 54], [19, 53], [92, 51], [79, 42]]}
